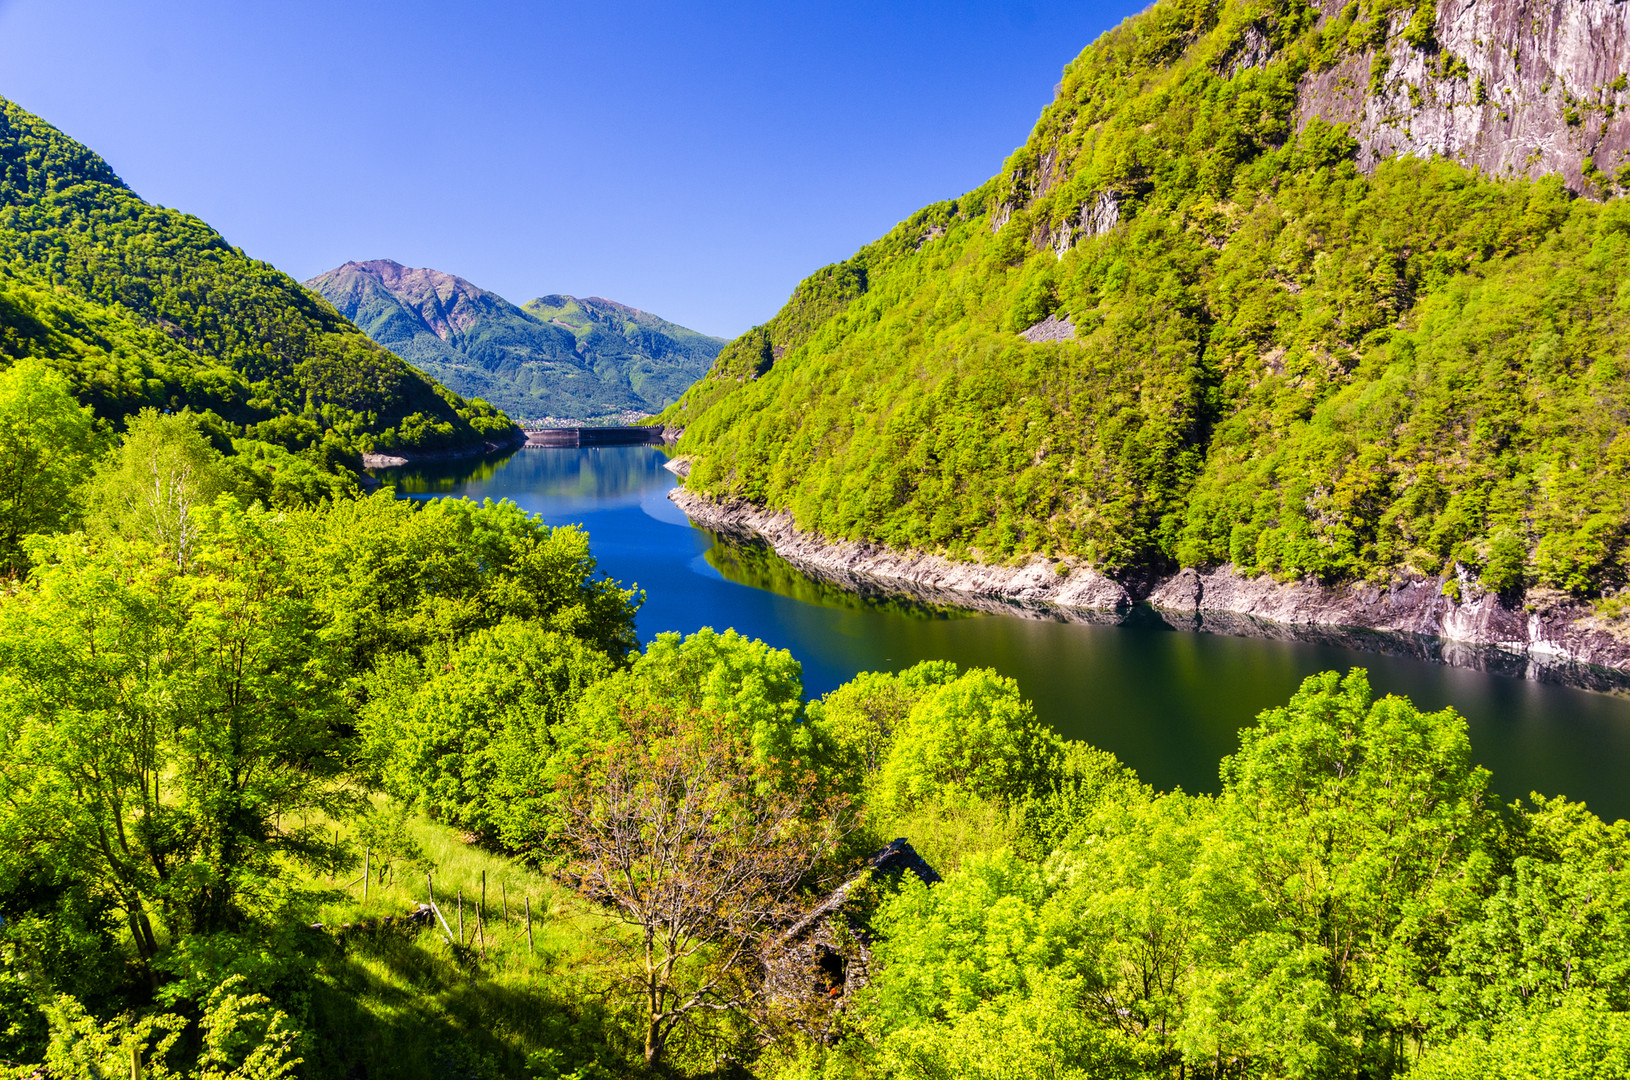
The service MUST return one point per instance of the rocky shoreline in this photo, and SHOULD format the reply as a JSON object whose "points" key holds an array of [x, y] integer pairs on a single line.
{"points": [[1552, 637], [391, 461]]}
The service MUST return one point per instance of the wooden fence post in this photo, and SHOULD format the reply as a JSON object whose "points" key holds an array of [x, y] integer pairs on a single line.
{"points": [[481, 915], [529, 926], [461, 916], [367, 863]]}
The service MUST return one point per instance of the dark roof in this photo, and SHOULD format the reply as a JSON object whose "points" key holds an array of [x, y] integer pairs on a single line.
{"points": [[899, 856], [896, 858]]}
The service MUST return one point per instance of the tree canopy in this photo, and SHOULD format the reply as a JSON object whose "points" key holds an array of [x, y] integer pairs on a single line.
{"points": [[1276, 356]]}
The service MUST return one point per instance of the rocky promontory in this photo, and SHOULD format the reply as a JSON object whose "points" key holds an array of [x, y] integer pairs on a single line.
{"points": [[481, 449]]}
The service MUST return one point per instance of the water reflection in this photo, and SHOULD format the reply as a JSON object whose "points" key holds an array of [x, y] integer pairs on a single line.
{"points": [[562, 478], [1167, 701], [755, 564]]}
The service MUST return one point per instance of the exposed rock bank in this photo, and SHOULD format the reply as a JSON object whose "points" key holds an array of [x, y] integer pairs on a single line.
{"points": [[389, 461], [923, 576], [1551, 637]]}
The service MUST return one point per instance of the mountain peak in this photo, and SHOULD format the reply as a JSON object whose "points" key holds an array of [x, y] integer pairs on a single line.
{"points": [[447, 305], [558, 357]]}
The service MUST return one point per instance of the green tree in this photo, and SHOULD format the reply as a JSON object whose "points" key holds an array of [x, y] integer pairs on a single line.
{"points": [[393, 575], [1555, 925], [473, 739], [242, 1038], [857, 723], [1578, 1039], [756, 690], [992, 973], [1362, 828], [47, 445], [973, 735], [1506, 571], [149, 488], [162, 728]]}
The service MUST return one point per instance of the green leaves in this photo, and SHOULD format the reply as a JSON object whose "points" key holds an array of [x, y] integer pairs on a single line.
{"points": [[754, 690], [148, 307], [473, 737], [1334, 906], [1578, 1040], [243, 1038], [1365, 829], [993, 973], [47, 446], [400, 576], [973, 735], [173, 718], [149, 487]]}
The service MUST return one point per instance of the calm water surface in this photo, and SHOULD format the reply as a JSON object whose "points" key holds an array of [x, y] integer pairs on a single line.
{"points": [[1167, 703]]}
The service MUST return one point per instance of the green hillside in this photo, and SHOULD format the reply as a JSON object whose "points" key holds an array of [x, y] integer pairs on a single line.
{"points": [[141, 306], [1267, 355], [558, 357]]}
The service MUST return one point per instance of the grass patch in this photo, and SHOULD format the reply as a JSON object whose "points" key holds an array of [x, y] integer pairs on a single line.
{"points": [[410, 1004]]}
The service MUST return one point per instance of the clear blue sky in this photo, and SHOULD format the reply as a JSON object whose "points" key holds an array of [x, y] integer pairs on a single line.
{"points": [[695, 160]]}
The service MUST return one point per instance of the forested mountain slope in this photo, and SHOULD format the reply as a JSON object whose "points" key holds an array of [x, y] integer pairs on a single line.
{"points": [[559, 356], [1225, 307], [143, 306]]}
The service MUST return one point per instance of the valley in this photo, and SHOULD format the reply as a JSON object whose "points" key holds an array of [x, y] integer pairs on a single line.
{"points": [[1162, 613]]}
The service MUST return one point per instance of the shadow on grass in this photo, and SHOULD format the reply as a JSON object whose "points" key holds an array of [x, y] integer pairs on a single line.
{"points": [[390, 1007]]}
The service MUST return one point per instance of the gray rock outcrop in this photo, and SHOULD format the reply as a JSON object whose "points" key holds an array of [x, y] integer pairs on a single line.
{"points": [[1514, 87], [922, 576], [1052, 328]]}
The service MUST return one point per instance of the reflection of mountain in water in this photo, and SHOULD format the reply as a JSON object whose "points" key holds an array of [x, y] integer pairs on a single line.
{"points": [[753, 563], [563, 473]]}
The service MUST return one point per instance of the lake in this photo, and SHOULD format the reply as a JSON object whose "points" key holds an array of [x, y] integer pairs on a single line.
{"points": [[1166, 702]]}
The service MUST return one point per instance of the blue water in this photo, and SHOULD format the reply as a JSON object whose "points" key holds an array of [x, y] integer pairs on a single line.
{"points": [[1168, 703]]}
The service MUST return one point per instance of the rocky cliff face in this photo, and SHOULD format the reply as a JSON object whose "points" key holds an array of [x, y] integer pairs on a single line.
{"points": [[1514, 87]]}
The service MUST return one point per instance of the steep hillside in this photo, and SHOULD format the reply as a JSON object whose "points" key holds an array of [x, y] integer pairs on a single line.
{"points": [[1222, 308], [144, 306], [559, 357]]}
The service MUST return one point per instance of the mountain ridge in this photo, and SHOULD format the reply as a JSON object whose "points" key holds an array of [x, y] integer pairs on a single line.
{"points": [[555, 356], [142, 306], [1287, 354]]}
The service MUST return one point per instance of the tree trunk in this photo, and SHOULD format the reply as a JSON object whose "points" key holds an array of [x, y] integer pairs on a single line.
{"points": [[653, 1040], [653, 1009]]}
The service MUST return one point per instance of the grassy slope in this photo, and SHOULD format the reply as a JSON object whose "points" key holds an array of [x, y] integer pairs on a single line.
{"points": [[144, 306], [1279, 362], [410, 1006]]}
